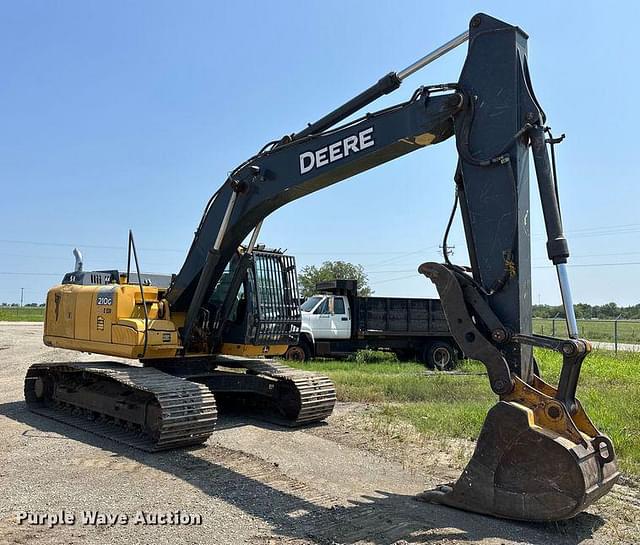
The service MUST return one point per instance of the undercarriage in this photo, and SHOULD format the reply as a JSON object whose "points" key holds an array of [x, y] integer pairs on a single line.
{"points": [[173, 403]]}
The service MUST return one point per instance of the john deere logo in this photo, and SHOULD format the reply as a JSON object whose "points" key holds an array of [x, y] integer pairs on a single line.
{"points": [[310, 160]]}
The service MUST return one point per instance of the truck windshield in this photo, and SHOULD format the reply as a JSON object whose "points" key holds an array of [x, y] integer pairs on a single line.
{"points": [[310, 303]]}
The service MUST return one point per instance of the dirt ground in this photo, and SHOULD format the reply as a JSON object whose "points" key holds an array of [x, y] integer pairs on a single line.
{"points": [[341, 483]]}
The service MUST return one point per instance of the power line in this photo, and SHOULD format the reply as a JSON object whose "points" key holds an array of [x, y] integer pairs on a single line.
{"points": [[583, 265], [598, 231], [391, 272], [93, 246], [575, 265], [346, 252], [397, 278], [395, 260], [607, 227], [401, 257], [94, 264], [606, 255], [628, 228], [399, 253], [14, 273]]}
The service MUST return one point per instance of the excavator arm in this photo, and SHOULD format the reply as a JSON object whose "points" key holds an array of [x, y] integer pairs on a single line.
{"points": [[539, 457]]}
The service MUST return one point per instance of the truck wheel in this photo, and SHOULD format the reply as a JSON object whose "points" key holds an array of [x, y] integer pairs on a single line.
{"points": [[440, 356], [298, 352]]}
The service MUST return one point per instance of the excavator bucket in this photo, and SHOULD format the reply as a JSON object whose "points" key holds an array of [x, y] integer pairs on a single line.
{"points": [[538, 456], [522, 469]]}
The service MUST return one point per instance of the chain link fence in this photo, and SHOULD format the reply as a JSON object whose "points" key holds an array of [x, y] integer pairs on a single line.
{"points": [[620, 334]]}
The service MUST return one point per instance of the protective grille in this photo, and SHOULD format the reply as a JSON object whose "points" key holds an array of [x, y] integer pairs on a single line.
{"points": [[276, 288]]}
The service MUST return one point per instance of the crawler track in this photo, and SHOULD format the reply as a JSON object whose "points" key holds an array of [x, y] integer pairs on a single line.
{"points": [[306, 397], [153, 410], [150, 410]]}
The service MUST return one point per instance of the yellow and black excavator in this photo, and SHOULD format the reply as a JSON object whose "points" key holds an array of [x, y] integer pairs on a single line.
{"points": [[197, 333]]}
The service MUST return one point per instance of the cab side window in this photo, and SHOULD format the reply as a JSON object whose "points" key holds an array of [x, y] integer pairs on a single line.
{"points": [[323, 308], [338, 305]]}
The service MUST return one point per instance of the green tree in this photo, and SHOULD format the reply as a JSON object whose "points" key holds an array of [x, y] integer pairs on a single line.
{"points": [[583, 311], [310, 275]]}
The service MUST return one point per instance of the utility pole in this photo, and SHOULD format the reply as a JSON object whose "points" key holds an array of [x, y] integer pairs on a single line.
{"points": [[448, 250], [21, 296]]}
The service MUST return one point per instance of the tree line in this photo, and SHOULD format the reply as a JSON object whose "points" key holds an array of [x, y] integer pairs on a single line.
{"points": [[310, 275], [584, 311], [13, 305]]}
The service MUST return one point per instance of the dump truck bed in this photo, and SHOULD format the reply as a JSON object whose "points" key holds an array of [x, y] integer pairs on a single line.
{"points": [[400, 316]]}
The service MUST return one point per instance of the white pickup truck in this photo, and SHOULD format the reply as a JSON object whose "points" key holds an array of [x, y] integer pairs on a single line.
{"points": [[336, 322]]}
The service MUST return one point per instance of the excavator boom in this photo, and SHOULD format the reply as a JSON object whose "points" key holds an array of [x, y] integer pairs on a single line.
{"points": [[538, 457]]}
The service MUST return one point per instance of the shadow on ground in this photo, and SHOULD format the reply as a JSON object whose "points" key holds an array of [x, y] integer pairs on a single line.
{"points": [[381, 519]]}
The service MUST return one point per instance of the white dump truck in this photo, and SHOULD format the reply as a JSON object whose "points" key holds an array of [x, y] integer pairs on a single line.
{"points": [[337, 322]]}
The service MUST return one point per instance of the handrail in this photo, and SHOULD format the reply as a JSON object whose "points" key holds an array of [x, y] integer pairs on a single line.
{"points": [[132, 246]]}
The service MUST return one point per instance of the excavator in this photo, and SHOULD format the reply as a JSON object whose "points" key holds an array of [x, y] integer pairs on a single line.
{"points": [[199, 335]]}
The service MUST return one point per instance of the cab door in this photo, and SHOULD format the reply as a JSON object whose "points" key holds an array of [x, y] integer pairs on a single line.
{"points": [[339, 317], [322, 320]]}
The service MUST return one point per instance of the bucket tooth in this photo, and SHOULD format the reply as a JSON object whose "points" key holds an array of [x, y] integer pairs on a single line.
{"points": [[521, 470]]}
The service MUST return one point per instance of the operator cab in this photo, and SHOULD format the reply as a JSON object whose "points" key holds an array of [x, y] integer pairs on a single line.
{"points": [[265, 311]]}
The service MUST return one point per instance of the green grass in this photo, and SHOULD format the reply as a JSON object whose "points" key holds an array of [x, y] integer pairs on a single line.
{"points": [[22, 314], [373, 356], [447, 405], [628, 331]]}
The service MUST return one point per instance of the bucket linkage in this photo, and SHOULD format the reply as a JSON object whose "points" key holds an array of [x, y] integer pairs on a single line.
{"points": [[538, 456]]}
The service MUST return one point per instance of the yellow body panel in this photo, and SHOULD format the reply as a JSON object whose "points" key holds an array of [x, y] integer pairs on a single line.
{"points": [[108, 320], [252, 351]]}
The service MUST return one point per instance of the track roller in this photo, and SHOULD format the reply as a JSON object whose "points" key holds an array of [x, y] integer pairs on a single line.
{"points": [[141, 407]]}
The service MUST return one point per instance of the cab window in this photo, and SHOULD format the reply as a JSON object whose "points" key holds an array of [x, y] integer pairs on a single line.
{"points": [[338, 305], [323, 308], [308, 305]]}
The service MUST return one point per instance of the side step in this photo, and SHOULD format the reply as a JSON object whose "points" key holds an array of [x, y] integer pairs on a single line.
{"points": [[140, 407]]}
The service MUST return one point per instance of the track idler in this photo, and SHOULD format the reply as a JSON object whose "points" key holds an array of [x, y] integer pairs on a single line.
{"points": [[538, 456]]}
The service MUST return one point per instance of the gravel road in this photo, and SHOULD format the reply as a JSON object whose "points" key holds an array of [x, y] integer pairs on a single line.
{"points": [[252, 483]]}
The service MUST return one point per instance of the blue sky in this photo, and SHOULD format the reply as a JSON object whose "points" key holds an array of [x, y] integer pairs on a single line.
{"points": [[119, 115]]}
